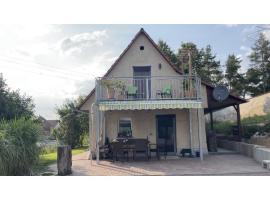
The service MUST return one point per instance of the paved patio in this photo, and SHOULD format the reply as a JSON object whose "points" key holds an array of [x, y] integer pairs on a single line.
{"points": [[227, 164]]}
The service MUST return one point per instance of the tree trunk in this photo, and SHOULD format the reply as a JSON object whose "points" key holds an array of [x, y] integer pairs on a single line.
{"points": [[64, 160]]}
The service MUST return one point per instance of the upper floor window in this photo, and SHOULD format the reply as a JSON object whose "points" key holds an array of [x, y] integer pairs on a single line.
{"points": [[141, 48]]}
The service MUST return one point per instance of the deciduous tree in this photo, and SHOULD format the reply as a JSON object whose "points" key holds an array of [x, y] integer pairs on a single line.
{"points": [[73, 124], [13, 104]]}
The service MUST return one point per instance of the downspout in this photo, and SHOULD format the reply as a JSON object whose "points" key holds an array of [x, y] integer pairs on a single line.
{"points": [[190, 130], [97, 136], [91, 117], [199, 133]]}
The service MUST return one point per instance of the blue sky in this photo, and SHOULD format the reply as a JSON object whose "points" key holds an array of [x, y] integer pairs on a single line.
{"points": [[224, 39], [55, 62]]}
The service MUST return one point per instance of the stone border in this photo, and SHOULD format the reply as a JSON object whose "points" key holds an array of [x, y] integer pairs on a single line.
{"points": [[257, 152]]}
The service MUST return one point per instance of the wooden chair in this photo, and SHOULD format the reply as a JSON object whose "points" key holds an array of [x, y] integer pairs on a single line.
{"points": [[154, 148], [141, 146]]}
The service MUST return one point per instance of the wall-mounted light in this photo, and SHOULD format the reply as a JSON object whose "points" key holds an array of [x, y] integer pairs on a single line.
{"points": [[159, 66]]}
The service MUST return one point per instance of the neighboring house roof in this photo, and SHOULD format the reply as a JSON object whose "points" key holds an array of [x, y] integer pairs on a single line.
{"points": [[142, 31], [47, 125], [53, 123]]}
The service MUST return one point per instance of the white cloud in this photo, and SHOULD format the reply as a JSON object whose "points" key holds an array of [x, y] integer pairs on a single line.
{"points": [[231, 25], [246, 50], [239, 56], [67, 66], [267, 34], [63, 73], [84, 87], [46, 106], [244, 57], [82, 41]]}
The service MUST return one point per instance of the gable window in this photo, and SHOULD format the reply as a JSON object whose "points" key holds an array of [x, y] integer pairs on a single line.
{"points": [[141, 48], [124, 127]]}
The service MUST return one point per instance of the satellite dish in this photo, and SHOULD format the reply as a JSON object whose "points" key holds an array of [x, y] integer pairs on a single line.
{"points": [[220, 93]]}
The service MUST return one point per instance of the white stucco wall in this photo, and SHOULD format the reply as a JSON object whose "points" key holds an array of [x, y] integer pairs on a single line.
{"points": [[144, 125]]}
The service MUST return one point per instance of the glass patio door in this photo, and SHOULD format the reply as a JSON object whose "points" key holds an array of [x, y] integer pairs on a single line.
{"points": [[166, 133]]}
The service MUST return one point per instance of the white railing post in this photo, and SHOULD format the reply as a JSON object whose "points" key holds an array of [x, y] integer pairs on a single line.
{"points": [[147, 89]]}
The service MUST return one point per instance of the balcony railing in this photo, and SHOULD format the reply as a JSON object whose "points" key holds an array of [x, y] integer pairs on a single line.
{"points": [[148, 88]]}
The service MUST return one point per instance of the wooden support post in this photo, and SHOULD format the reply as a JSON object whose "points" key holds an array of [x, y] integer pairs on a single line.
{"points": [[211, 121], [237, 109]]}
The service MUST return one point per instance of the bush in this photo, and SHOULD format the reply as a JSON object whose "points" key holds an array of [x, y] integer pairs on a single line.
{"points": [[18, 146], [250, 125], [73, 125], [84, 140], [224, 127]]}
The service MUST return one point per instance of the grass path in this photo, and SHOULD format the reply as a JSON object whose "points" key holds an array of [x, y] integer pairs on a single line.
{"points": [[47, 159]]}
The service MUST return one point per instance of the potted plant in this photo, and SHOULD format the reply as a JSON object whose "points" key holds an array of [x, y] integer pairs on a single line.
{"points": [[110, 85], [121, 87]]}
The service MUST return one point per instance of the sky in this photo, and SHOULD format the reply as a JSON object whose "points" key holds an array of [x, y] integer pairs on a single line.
{"points": [[53, 63]]}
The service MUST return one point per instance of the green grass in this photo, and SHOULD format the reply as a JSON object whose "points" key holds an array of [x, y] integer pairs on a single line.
{"points": [[50, 158], [257, 119]]}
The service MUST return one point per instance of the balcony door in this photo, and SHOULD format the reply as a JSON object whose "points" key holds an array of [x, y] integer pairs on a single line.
{"points": [[142, 80]]}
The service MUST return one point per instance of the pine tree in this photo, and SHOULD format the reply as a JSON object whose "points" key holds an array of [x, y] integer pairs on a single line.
{"points": [[204, 63], [253, 80], [164, 47], [234, 79], [183, 57], [210, 70], [260, 62]]}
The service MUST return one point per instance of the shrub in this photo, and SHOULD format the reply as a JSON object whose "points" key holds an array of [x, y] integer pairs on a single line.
{"points": [[84, 140], [73, 125], [224, 127], [18, 146]]}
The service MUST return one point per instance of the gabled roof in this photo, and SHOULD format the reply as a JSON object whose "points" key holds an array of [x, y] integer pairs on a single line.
{"points": [[142, 31]]}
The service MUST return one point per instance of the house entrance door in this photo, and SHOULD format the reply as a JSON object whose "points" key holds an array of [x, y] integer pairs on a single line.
{"points": [[166, 133]]}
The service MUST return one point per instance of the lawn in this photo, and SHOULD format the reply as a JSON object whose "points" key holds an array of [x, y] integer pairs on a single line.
{"points": [[50, 158]]}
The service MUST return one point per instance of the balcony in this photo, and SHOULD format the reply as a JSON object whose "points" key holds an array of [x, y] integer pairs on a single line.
{"points": [[144, 93], [148, 88]]}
